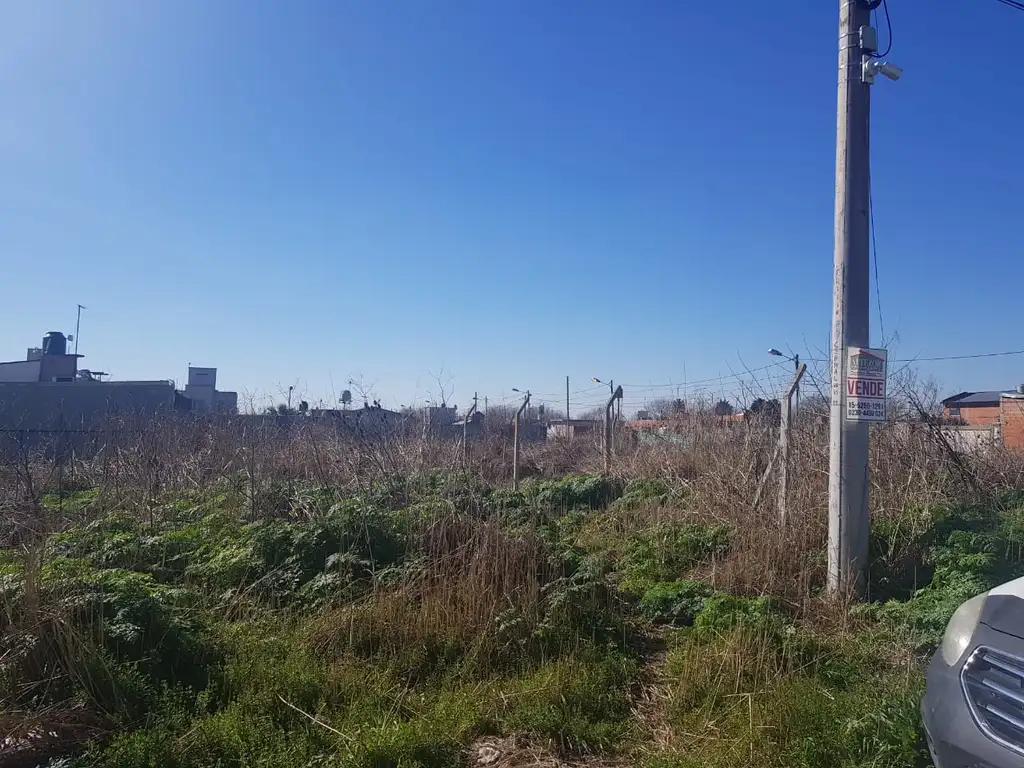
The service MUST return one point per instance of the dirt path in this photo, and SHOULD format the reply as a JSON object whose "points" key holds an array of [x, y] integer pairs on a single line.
{"points": [[650, 695]]}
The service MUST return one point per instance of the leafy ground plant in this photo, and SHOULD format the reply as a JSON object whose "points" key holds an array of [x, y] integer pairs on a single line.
{"points": [[396, 624]]}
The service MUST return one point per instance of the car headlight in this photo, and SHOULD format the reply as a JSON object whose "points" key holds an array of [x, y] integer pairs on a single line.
{"points": [[961, 628]]}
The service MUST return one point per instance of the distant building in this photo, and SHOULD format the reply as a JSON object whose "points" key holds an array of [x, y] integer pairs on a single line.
{"points": [[474, 428], [368, 421], [1011, 413], [1001, 414], [49, 363], [46, 392], [655, 430], [440, 421], [201, 389], [562, 428], [51, 406], [973, 409]]}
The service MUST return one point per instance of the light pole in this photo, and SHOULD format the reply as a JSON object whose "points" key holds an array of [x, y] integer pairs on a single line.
{"points": [[611, 390], [78, 325], [290, 398], [796, 367], [465, 429]]}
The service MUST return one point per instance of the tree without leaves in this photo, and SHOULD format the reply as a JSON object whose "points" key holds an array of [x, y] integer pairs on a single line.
{"points": [[665, 408]]}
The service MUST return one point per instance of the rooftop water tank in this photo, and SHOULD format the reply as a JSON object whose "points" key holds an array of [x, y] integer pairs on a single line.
{"points": [[55, 343]]}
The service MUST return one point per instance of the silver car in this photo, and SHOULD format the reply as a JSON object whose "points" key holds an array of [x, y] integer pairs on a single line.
{"points": [[973, 707]]}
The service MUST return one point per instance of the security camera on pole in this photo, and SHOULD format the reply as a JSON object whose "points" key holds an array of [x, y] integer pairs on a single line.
{"points": [[850, 413]]}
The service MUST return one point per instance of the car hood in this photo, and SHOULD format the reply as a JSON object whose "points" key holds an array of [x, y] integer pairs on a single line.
{"points": [[1004, 608]]}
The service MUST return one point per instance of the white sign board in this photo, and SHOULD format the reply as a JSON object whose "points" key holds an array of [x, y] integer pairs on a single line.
{"points": [[865, 384]]}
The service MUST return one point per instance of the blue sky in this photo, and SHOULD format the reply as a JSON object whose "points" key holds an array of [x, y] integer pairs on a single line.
{"points": [[304, 193]]}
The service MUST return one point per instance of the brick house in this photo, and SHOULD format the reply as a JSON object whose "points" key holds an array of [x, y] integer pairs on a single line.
{"points": [[1003, 412], [1011, 409], [973, 409]]}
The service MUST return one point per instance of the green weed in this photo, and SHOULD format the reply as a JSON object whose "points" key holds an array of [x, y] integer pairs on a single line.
{"points": [[668, 551], [749, 695], [675, 601], [954, 553]]}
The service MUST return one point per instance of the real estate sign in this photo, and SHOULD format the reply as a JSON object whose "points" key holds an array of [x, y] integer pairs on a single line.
{"points": [[865, 384]]}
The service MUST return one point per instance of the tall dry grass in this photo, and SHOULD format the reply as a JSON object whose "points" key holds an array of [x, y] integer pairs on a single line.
{"points": [[138, 464], [476, 596]]}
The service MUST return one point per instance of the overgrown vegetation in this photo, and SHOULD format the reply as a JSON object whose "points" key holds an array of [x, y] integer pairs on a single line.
{"points": [[373, 604]]}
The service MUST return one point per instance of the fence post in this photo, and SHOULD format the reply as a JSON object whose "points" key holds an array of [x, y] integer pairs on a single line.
{"points": [[515, 442], [784, 429], [608, 437], [515, 452], [465, 431]]}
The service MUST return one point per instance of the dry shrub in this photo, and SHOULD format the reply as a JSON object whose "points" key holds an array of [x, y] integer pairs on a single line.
{"points": [[44, 656], [479, 596], [717, 464]]}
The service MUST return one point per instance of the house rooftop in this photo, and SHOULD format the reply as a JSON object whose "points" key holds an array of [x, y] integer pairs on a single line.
{"points": [[974, 399]]}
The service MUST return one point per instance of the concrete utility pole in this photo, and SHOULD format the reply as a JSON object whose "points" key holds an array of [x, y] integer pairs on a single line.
{"points": [[848, 440]]}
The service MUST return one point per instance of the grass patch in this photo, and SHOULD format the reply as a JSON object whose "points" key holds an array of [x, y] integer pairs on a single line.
{"points": [[394, 626], [933, 560], [668, 551], [750, 695]]}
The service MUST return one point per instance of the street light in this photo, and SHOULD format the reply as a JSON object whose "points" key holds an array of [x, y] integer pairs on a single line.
{"points": [[611, 388], [794, 358], [526, 400], [796, 367]]}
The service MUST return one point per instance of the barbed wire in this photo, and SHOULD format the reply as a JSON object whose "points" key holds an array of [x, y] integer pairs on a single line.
{"points": [[737, 387]]}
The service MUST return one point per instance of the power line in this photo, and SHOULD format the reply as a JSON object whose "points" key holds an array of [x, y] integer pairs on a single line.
{"points": [[937, 359], [1015, 4], [562, 394], [888, 23], [962, 357], [708, 381], [874, 255], [638, 397], [871, 200]]}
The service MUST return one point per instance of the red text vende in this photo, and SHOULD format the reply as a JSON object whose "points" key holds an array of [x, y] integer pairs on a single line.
{"points": [[865, 388]]}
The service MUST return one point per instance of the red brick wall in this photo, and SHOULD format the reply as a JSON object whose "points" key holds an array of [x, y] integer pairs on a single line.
{"points": [[1013, 423], [978, 416]]}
